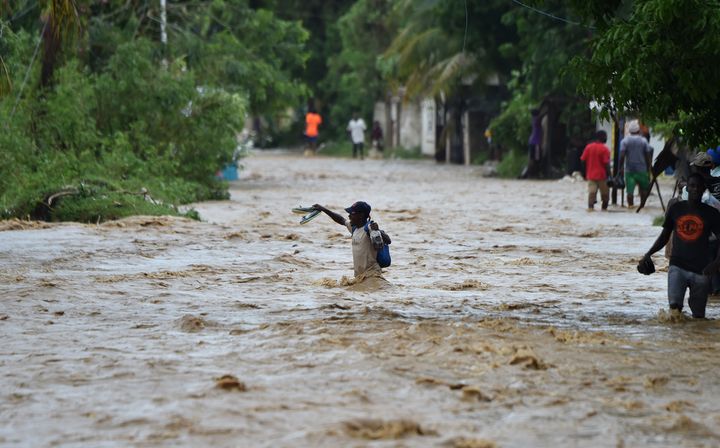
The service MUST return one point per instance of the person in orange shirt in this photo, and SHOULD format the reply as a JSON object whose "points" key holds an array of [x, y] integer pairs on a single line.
{"points": [[312, 121]]}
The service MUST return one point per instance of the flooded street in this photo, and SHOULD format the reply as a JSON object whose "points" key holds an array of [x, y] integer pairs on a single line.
{"points": [[513, 318]]}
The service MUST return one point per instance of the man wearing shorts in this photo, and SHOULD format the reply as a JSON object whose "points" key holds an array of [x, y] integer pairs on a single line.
{"points": [[597, 167], [637, 155], [691, 260]]}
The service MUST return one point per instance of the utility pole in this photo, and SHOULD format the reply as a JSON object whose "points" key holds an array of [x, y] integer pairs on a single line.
{"points": [[163, 32], [163, 23]]}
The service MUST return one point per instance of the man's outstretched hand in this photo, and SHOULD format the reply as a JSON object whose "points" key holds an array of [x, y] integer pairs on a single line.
{"points": [[645, 265]]}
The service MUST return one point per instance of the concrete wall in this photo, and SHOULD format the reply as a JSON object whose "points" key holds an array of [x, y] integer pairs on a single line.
{"points": [[429, 118], [409, 124]]}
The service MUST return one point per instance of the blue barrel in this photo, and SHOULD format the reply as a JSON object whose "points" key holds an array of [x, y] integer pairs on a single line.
{"points": [[230, 172]]}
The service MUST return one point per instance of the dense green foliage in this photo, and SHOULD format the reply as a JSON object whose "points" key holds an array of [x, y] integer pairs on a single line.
{"points": [[353, 74], [512, 164], [445, 50], [124, 125], [654, 58], [109, 121]]}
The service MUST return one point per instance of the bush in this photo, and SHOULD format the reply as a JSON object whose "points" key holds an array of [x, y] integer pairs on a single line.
{"points": [[403, 153], [336, 148], [511, 129], [135, 138], [512, 164]]}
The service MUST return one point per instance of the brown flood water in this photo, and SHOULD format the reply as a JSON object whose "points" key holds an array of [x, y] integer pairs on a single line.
{"points": [[513, 318]]}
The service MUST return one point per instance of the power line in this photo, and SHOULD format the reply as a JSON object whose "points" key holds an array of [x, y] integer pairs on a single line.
{"points": [[552, 16], [466, 26], [20, 14], [27, 74]]}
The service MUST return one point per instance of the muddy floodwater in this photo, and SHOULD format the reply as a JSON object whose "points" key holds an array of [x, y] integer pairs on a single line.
{"points": [[512, 317]]}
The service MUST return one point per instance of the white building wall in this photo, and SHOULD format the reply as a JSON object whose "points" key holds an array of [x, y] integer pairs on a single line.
{"points": [[410, 125], [429, 126]]}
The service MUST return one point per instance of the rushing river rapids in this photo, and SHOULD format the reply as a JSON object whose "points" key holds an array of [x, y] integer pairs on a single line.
{"points": [[512, 317]]}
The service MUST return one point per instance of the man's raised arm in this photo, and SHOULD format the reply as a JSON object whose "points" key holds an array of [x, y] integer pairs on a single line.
{"points": [[334, 216]]}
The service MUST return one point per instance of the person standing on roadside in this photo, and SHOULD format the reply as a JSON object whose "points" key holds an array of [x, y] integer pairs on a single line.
{"points": [[597, 168], [313, 120], [356, 127], [691, 260], [534, 150], [377, 136], [637, 155]]}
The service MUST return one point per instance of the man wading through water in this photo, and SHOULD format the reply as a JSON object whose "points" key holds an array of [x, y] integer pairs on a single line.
{"points": [[637, 155], [596, 157], [364, 254], [691, 260]]}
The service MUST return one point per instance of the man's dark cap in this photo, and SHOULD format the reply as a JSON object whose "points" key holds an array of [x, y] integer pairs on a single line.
{"points": [[359, 207]]}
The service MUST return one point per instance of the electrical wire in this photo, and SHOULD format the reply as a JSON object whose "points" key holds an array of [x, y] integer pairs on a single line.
{"points": [[466, 26], [20, 14], [27, 73], [552, 16]]}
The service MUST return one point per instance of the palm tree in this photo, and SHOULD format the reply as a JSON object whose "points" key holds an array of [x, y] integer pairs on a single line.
{"points": [[62, 22]]}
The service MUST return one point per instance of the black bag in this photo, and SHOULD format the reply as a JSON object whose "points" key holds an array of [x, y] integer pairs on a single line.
{"points": [[619, 182], [646, 266]]}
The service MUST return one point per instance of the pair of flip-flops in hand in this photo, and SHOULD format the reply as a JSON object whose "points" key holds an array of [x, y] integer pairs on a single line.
{"points": [[309, 212]]}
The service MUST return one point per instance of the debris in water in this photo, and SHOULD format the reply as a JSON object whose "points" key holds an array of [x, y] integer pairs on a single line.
{"points": [[685, 425], [229, 382], [591, 234], [376, 429], [678, 406], [654, 382], [524, 261], [474, 393], [430, 381], [577, 337], [527, 358], [191, 324], [466, 442], [467, 284]]}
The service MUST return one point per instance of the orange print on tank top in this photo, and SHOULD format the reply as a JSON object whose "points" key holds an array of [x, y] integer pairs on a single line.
{"points": [[689, 227]]}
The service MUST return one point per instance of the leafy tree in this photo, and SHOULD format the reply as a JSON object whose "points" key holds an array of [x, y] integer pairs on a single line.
{"points": [[245, 50], [112, 123], [547, 41], [654, 58], [353, 76]]}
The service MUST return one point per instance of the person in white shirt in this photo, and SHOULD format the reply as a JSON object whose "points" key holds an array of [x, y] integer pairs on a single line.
{"points": [[356, 127]]}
